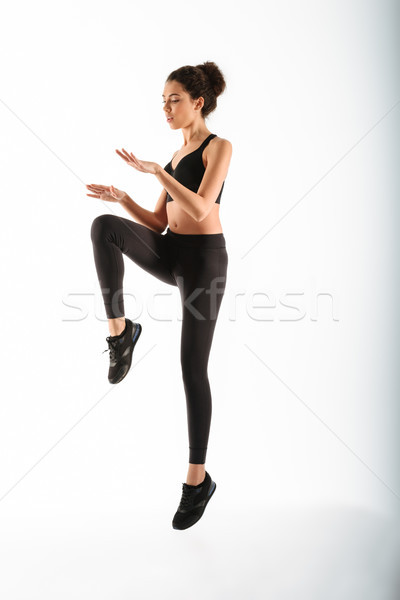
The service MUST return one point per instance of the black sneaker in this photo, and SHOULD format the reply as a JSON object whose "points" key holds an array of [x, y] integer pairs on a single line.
{"points": [[193, 503], [121, 350]]}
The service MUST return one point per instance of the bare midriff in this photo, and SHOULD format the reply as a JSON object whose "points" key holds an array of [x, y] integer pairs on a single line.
{"points": [[180, 222]]}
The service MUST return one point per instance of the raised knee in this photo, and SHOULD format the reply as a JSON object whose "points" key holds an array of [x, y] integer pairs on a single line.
{"points": [[99, 226]]}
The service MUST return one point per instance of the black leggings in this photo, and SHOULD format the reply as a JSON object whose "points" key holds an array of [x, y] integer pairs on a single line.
{"points": [[197, 265]]}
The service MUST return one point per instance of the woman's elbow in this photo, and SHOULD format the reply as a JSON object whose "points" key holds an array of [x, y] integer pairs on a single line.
{"points": [[204, 213]]}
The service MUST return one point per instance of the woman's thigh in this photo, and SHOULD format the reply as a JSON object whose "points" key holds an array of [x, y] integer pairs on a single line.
{"points": [[145, 247], [201, 276]]}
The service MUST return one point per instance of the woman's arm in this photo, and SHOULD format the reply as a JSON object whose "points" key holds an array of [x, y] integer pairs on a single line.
{"points": [[142, 215], [185, 198], [199, 205]]}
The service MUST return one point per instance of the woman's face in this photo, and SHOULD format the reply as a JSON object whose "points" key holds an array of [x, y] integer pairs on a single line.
{"points": [[179, 107]]}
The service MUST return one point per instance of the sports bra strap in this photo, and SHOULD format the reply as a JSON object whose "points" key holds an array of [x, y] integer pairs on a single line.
{"points": [[208, 139]]}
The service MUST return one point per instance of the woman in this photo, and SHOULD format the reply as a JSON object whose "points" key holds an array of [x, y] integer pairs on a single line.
{"points": [[191, 255]]}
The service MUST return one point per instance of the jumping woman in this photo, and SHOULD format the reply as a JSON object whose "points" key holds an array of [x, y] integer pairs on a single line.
{"points": [[191, 255]]}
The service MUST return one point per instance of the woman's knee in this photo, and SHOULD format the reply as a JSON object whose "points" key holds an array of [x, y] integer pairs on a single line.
{"points": [[101, 225], [194, 370]]}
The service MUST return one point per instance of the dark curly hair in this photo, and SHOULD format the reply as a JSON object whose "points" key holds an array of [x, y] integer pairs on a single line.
{"points": [[204, 80]]}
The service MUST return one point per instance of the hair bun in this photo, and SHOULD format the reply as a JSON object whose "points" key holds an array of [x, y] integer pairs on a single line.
{"points": [[214, 75]]}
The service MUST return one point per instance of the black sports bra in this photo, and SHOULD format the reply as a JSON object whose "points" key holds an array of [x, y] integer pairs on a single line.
{"points": [[190, 169]]}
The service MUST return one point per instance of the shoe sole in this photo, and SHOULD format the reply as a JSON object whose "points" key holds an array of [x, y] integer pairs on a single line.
{"points": [[210, 493], [136, 335]]}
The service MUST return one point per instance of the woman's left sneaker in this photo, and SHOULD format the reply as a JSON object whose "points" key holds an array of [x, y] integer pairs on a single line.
{"points": [[193, 503], [121, 350]]}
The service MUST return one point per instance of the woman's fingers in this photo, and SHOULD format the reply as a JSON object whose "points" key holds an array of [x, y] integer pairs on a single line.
{"points": [[137, 164], [131, 159], [124, 154], [95, 187], [134, 159], [120, 154]]}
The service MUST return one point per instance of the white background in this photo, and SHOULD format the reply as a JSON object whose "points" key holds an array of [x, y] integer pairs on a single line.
{"points": [[304, 434]]}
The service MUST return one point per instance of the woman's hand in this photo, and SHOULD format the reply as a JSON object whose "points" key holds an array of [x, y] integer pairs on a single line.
{"points": [[140, 165], [104, 192]]}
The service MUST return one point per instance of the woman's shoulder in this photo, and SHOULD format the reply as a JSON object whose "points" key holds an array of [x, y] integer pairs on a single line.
{"points": [[221, 145], [223, 142]]}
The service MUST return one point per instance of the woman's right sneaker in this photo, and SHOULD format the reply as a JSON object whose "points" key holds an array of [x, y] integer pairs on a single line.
{"points": [[121, 350], [193, 503]]}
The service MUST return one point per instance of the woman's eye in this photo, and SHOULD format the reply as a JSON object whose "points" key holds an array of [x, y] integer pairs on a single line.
{"points": [[163, 102]]}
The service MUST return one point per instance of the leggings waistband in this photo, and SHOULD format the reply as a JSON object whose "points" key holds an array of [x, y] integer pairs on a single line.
{"points": [[197, 240]]}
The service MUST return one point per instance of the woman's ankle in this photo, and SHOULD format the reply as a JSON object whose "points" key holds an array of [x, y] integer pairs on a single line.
{"points": [[196, 474], [116, 326]]}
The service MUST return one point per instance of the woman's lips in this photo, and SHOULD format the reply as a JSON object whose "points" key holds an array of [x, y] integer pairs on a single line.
{"points": [[169, 119]]}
